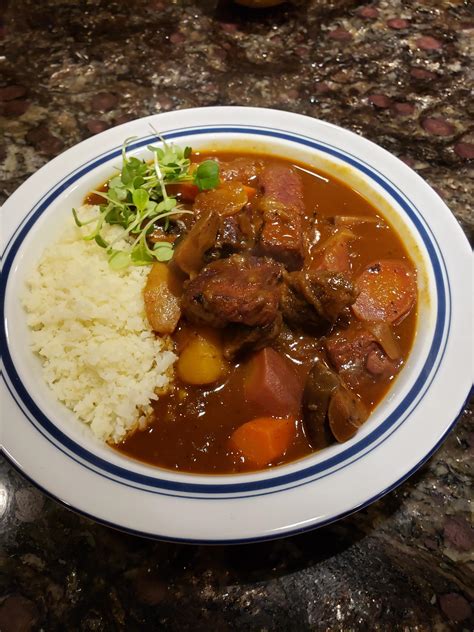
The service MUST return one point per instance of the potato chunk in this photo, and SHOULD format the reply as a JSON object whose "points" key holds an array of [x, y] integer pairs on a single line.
{"points": [[201, 361]]}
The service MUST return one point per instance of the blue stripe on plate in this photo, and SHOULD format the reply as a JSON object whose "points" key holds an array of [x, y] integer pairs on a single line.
{"points": [[281, 534], [307, 474]]}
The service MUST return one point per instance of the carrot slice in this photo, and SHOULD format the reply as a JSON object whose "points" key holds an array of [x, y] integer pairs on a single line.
{"points": [[387, 291], [263, 440], [186, 190], [250, 191]]}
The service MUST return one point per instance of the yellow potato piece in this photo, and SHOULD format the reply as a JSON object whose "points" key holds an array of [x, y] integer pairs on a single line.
{"points": [[200, 362]]}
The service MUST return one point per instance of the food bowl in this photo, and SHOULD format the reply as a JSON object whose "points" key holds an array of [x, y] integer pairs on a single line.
{"points": [[60, 455]]}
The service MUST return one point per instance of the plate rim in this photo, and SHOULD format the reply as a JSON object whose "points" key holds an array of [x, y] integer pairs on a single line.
{"points": [[274, 479], [389, 488], [251, 540]]}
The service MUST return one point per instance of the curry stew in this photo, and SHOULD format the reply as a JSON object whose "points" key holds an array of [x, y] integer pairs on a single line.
{"points": [[291, 304]]}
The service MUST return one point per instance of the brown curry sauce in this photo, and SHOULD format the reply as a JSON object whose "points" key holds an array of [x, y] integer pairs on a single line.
{"points": [[191, 425]]}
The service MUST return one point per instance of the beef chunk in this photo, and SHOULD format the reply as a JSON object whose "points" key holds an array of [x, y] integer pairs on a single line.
{"points": [[314, 300], [282, 209], [241, 290], [283, 184], [229, 235], [230, 239], [241, 339], [349, 348], [358, 356], [379, 364], [298, 313]]}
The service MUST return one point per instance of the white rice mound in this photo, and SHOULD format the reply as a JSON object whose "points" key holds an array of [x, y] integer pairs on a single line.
{"points": [[89, 328]]}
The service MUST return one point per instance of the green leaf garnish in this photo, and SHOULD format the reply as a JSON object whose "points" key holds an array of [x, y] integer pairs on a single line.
{"points": [[137, 200], [163, 251], [80, 223], [141, 255], [140, 198], [119, 259], [101, 242], [207, 175]]}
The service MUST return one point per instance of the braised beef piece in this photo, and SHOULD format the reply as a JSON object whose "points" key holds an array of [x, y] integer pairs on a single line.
{"points": [[241, 289], [229, 236], [250, 225], [348, 349], [282, 209], [240, 339], [358, 356], [298, 313], [329, 407], [314, 299], [237, 233], [379, 364], [230, 239]]}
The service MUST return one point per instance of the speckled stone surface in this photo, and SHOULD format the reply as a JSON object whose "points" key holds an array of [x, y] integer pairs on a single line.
{"points": [[394, 71]]}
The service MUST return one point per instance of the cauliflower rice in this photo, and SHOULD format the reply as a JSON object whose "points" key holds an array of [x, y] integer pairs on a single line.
{"points": [[89, 328]]}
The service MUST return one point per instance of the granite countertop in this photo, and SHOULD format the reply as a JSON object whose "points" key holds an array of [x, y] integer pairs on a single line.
{"points": [[393, 71]]}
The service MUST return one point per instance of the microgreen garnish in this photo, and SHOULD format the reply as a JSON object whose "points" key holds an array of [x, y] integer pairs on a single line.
{"points": [[207, 175], [137, 200]]}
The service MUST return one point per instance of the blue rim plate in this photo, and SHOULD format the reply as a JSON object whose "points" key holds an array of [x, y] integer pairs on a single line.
{"points": [[41, 438]]}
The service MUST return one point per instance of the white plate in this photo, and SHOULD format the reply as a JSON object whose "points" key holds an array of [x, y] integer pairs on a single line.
{"points": [[45, 443]]}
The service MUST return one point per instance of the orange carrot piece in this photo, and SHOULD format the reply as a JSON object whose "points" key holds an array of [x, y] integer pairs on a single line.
{"points": [[263, 440], [186, 190], [387, 291], [250, 191]]}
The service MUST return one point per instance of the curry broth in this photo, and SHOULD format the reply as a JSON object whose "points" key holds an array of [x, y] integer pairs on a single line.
{"points": [[191, 426]]}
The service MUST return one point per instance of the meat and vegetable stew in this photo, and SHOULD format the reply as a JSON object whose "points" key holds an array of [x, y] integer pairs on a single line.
{"points": [[292, 306]]}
